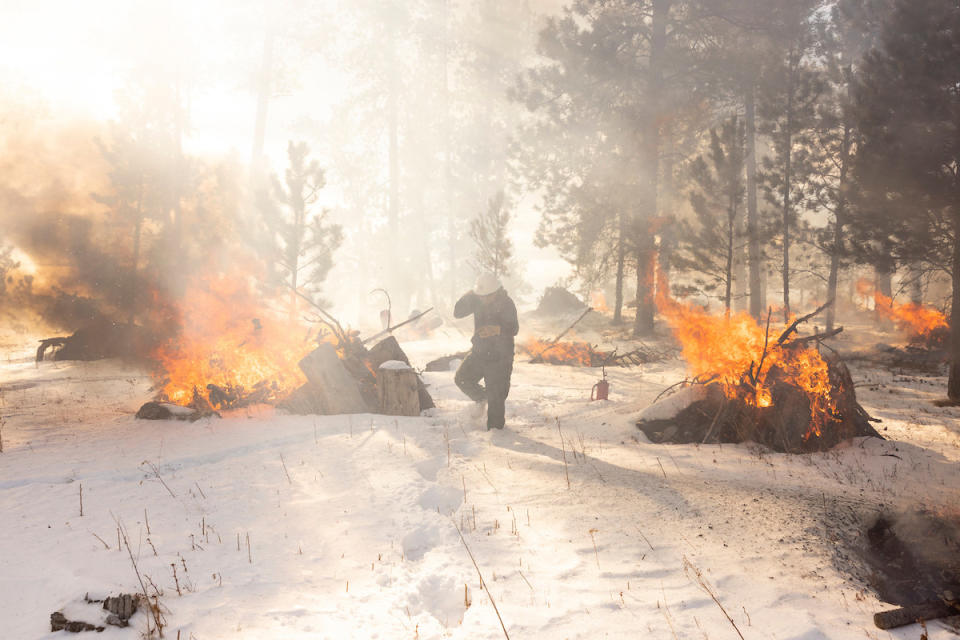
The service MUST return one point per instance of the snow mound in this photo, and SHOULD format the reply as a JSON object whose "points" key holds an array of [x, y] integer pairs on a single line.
{"points": [[394, 365]]}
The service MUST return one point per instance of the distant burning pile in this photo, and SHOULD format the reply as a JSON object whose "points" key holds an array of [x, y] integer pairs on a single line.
{"points": [[921, 322], [761, 385], [578, 354]]}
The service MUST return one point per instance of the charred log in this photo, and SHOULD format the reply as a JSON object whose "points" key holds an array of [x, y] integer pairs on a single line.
{"points": [[97, 341]]}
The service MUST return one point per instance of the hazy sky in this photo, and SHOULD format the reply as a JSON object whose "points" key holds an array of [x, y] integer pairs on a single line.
{"points": [[76, 57]]}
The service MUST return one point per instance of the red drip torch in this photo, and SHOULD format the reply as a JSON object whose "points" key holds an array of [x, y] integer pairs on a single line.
{"points": [[601, 390]]}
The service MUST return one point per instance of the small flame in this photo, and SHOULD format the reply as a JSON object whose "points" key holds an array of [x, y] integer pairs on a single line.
{"points": [[572, 353], [729, 348], [599, 302], [917, 319]]}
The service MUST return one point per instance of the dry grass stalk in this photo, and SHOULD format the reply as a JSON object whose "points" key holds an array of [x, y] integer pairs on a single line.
{"points": [[155, 607], [689, 566], [249, 553], [156, 472], [285, 469], [563, 448], [81, 499], [483, 584], [105, 545], [596, 552]]}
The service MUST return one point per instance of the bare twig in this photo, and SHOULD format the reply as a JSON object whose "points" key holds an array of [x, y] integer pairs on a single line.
{"points": [[483, 583], [285, 469]]}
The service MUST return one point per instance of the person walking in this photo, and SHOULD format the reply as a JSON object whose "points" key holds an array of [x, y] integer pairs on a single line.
{"points": [[491, 359]]}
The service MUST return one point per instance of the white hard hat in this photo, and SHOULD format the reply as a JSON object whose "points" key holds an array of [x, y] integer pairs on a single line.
{"points": [[487, 283]]}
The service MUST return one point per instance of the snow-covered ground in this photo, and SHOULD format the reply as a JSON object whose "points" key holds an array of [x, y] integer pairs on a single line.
{"points": [[264, 526]]}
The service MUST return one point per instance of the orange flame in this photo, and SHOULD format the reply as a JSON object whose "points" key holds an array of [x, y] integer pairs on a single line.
{"points": [[230, 340], [729, 349], [917, 319], [599, 302], [572, 353]]}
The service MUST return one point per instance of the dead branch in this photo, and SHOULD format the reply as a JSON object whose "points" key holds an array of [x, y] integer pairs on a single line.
{"points": [[389, 303], [817, 337], [766, 340], [329, 320], [553, 343], [397, 326], [793, 326]]}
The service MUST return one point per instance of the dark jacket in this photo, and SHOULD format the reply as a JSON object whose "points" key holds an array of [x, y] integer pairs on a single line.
{"points": [[496, 310]]}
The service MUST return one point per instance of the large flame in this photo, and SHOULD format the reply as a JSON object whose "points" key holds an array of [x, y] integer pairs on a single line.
{"points": [[231, 340], [916, 319], [735, 352]]}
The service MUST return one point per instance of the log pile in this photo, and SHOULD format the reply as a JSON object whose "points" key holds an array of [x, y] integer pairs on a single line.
{"points": [[350, 380]]}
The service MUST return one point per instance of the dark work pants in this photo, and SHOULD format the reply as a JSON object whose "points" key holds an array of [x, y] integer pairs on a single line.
{"points": [[495, 371]]}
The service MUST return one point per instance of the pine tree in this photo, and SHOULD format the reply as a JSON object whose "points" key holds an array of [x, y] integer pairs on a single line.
{"points": [[493, 248], [908, 112], [788, 100], [709, 246], [301, 241]]}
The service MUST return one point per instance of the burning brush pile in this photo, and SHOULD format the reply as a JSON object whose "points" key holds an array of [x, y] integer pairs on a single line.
{"points": [[925, 326], [754, 384], [233, 351], [583, 354]]}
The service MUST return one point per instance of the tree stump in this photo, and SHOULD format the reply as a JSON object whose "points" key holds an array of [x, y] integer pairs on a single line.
{"points": [[398, 385], [330, 380], [389, 349]]}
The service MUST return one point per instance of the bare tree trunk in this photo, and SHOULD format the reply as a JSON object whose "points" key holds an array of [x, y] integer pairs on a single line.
{"points": [[135, 263], [621, 259], [915, 285], [883, 282], [394, 271], [953, 383], [645, 249], [787, 179], [839, 222], [753, 216], [448, 200], [264, 89], [840, 215], [731, 229]]}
